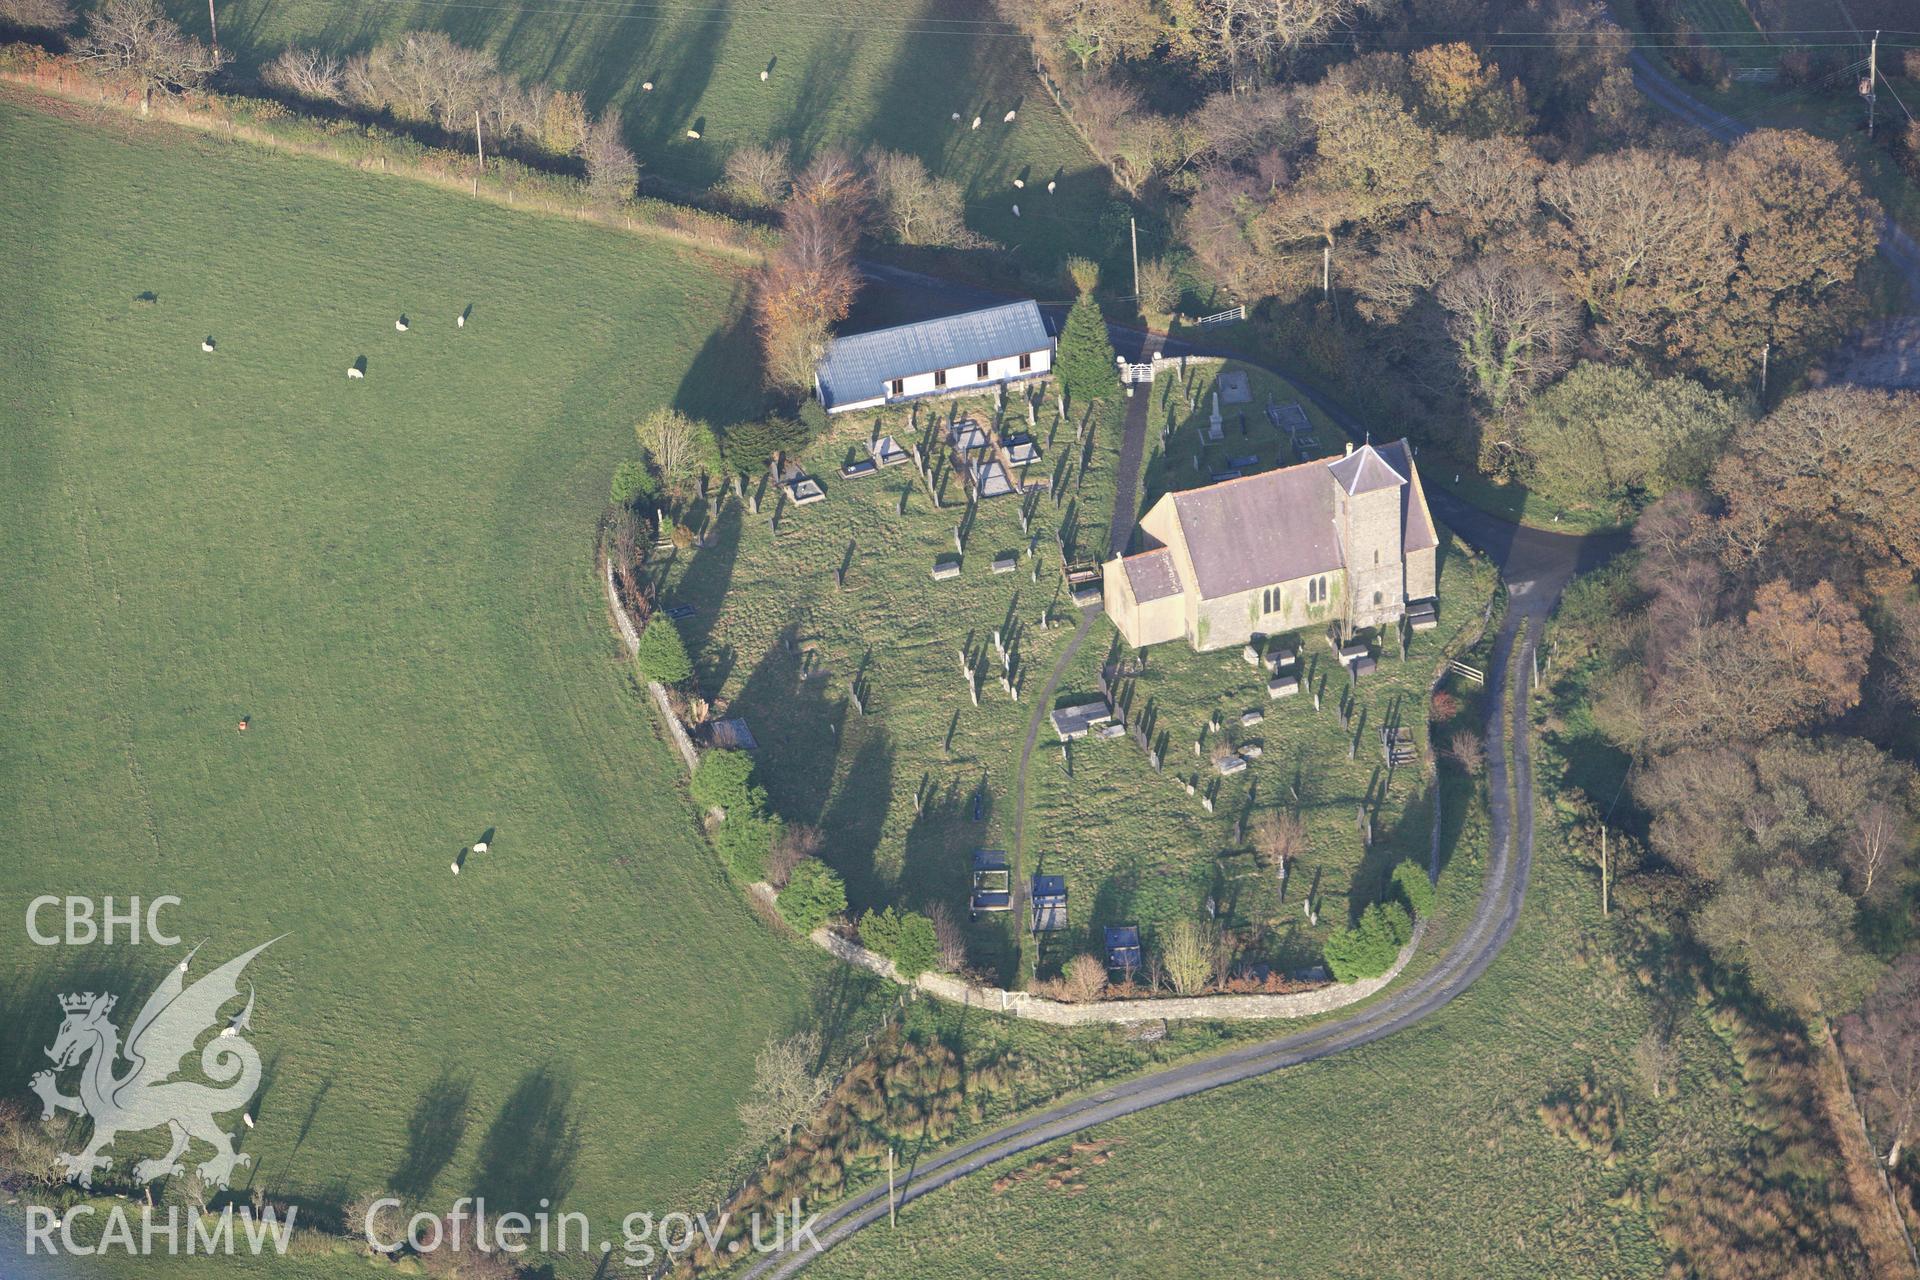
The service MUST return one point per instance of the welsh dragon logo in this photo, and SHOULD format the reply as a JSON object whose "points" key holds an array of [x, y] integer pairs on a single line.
{"points": [[147, 1095]]}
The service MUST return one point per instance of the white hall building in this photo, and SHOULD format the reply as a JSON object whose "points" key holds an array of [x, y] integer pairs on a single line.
{"points": [[934, 357]]}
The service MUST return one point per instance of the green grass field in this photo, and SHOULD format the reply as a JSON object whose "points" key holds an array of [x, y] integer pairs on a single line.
{"points": [[844, 76], [393, 578]]}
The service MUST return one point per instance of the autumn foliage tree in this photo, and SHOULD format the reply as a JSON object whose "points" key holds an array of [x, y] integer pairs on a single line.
{"points": [[809, 283]]}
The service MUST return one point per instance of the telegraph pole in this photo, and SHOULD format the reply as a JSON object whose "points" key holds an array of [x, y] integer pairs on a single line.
{"points": [[1873, 78], [213, 24], [479, 145], [1326, 271], [1133, 229], [1766, 349]]}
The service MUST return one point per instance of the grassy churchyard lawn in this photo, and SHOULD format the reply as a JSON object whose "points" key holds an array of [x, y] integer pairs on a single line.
{"points": [[889, 74], [394, 580], [780, 643], [1136, 848]]}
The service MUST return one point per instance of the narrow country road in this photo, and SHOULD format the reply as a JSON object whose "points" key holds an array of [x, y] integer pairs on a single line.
{"points": [[1536, 565]]}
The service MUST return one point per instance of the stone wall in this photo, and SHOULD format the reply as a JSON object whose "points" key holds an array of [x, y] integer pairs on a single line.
{"points": [[631, 635], [1021, 1004]]}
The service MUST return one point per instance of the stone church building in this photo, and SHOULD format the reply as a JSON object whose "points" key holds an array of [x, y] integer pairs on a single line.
{"points": [[1346, 539]]}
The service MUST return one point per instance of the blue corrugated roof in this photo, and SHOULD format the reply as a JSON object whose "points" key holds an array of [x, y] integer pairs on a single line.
{"points": [[858, 366]]}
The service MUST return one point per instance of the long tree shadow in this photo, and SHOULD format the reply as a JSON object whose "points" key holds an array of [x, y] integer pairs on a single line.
{"points": [[797, 718], [853, 822], [528, 1154], [434, 1131], [704, 585]]}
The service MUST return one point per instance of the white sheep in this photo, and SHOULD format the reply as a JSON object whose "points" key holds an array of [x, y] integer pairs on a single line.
{"points": [[1007, 119], [694, 134], [246, 1118], [460, 322], [455, 866], [356, 373], [1049, 187], [481, 847], [400, 325], [1019, 184], [763, 77], [976, 122], [206, 344], [1016, 211], [956, 115], [647, 85]]}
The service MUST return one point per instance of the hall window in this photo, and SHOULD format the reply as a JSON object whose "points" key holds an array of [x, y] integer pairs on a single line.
{"points": [[899, 386], [1026, 361], [980, 370], [939, 377]]}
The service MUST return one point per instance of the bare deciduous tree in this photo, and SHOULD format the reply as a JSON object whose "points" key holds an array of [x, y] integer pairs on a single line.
{"points": [[1191, 952], [51, 15], [797, 843], [309, 73], [678, 445], [787, 1087], [1512, 325], [1877, 841], [135, 39], [1655, 1058], [1883, 1042], [1159, 290], [757, 175], [612, 172], [918, 207], [949, 937]]}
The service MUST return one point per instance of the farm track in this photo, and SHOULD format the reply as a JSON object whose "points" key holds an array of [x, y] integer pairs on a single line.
{"points": [[1536, 566]]}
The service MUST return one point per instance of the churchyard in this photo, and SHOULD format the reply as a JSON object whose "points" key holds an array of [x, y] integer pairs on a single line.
{"points": [[832, 631]]}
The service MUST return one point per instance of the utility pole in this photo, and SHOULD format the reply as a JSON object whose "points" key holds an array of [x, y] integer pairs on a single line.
{"points": [[1766, 349], [1326, 271], [1604, 885], [1133, 229], [213, 24], [891, 1220], [480, 145], [1873, 78]]}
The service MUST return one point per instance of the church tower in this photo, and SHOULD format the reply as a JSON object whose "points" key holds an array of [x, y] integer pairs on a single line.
{"points": [[1369, 498]]}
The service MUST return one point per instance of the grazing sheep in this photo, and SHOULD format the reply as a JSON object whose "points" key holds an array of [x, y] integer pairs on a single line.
{"points": [[976, 122], [459, 322], [694, 134], [400, 325], [455, 866], [206, 344], [480, 847], [1007, 119], [956, 115], [763, 77], [356, 373], [1016, 211], [1049, 186], [1019, 184], [647, 85], [246, 1118]]}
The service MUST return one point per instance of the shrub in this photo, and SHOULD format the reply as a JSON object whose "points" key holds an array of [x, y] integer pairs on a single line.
{"points": [[905, 937], [918, 948], [1084, 979], [750, 446], [1411, 879], [663, 655], [632, 481], [814, 894], [724, 780], [1369, 948], [746, 841], [1085, 359]]}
